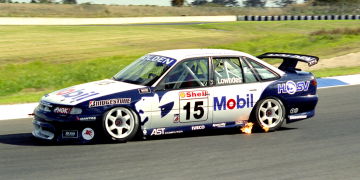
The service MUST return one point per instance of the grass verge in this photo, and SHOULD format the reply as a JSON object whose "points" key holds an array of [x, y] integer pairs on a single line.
{"points": [[39, 59]]}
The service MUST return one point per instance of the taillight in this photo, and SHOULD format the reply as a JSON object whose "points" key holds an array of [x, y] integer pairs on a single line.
{"points": [[314, 82]]}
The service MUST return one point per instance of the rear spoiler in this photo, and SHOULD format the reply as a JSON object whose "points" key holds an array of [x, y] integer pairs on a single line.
{"points": [[290, 60]]}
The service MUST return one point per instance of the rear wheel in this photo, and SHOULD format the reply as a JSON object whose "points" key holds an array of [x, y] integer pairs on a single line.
{"points": [[120, 124], [270, 114]]}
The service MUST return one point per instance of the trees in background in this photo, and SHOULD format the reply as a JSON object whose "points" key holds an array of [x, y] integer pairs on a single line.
{"points": [[215, 2], [283, 3], [199, 2], [333, 2], [69, 2], [254, 3], [225, 2], [177, 3]]}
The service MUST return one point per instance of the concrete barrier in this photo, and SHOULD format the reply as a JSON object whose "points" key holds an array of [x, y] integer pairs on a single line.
{"points": [[110, 21]]}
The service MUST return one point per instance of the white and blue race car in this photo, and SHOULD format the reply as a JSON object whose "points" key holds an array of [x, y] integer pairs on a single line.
{"points": [[175, 91]]}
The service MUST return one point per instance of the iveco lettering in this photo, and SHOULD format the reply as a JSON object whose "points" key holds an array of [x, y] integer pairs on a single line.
{"points": [[176, 91]]}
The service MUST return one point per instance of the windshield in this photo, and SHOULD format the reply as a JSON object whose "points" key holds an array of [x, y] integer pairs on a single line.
{"points": [[146, 70]]}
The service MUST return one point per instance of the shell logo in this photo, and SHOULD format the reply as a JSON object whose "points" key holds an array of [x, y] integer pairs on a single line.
{"points": [[193, 94]]}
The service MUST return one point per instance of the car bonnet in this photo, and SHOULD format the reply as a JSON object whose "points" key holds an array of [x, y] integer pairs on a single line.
{"points": [[84, 92]]}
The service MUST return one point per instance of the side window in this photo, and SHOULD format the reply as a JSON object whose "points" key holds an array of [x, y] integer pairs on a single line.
{"points": [[227, 71], [248, 74], [264, 73], [190, 73]]}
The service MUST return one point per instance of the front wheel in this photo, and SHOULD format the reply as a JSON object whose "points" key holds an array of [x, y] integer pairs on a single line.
{"points": [[120, 124], [270, 114]]}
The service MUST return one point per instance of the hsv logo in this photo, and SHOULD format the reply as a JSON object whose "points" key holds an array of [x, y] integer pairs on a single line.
{"points": [[193, 94], [62, 110], [290, 87], [76, 95], [223, 103]]}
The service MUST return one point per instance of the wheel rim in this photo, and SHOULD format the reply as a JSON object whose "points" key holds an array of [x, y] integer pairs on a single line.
{"points": [[270, 113], [119, 122]]}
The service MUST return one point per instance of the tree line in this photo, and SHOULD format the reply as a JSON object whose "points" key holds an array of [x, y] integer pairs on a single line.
{"points": [[261, 3]]}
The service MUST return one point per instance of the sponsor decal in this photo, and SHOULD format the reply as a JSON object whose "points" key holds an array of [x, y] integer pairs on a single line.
{"points": [[76, 95], [69, 133], [297, 117], [88, 134], [290, 87], [144, 90], [200, 127], [193, 94], [173, 132], [294, 110], [86, 118], [159, 59], [219, 125], [229, 81], [109, 102], [176, 118], [222, 103], [158, 131], [161, 131], [62, 110]]}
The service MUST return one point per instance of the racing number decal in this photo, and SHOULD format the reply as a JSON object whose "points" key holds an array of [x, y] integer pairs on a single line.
{"points": [[193, 105], [197, 107]]}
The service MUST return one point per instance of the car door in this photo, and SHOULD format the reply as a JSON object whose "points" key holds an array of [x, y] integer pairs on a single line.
{"points": [[236, 89], [184, 95]]}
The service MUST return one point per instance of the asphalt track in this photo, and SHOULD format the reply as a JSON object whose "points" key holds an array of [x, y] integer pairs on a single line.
{"points": [[324, 147]]}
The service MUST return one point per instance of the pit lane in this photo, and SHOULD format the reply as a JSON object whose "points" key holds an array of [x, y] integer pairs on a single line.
{"points": [[324, 147]]}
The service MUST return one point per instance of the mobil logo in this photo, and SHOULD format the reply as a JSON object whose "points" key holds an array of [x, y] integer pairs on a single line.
{"points": [[223, 103]]}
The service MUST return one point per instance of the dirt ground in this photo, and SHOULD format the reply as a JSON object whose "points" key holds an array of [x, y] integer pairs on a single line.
{"points": [[352, 59]]}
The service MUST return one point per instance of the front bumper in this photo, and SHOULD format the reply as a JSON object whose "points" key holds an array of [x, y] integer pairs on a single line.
{"points": [[80, 132]]}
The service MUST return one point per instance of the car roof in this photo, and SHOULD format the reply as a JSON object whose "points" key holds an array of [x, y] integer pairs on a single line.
{"points": [[181, 54]]}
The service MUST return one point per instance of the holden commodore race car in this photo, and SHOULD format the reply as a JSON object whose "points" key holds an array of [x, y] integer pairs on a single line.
{"points": [[175, 91]]}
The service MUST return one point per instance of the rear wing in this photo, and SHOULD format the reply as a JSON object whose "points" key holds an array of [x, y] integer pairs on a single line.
{"points": [[290, 60]]}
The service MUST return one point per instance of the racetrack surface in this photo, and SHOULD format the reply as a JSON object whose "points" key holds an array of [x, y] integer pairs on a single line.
{"points": [[324, 147]]}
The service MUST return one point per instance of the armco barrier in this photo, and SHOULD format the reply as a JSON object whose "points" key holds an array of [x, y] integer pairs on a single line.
{"points": [[174, 19], [293, 18]]}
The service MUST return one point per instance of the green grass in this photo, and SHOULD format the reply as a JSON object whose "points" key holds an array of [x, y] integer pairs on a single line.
{"points": [[39, 59], [327, 72]]}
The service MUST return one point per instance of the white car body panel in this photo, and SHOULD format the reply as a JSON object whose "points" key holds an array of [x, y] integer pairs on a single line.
{"points": [[83, 92]]}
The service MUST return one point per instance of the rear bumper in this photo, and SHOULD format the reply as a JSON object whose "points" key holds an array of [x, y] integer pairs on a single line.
{"points": [[300, 116]]}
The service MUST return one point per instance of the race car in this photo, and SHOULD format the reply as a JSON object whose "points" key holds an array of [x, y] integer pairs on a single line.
{"points": [[175, 91]]}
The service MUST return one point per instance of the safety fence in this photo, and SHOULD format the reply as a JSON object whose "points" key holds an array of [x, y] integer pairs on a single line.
{"points": [[292, 18]]}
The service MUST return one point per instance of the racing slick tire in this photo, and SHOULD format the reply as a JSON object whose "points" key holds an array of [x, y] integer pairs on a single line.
{"points": [[120, 124], [269, 114]]}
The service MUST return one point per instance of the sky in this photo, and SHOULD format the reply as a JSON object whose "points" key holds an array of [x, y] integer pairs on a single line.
{"points": [[137, 2]]}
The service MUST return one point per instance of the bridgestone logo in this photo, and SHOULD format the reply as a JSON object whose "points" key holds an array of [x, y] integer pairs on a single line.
{"points": [[109, 102]]}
